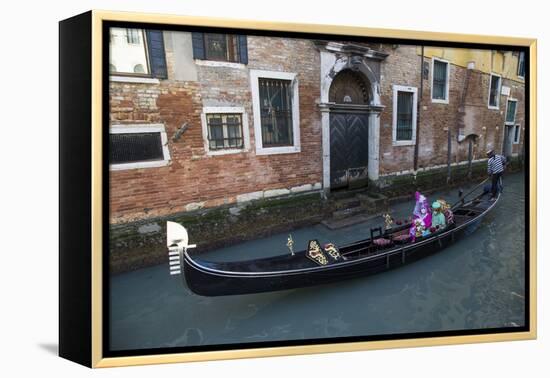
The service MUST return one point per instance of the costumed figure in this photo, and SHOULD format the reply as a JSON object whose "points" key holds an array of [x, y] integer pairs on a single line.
{"points": [[422, 218], [438, 218], [447, 212], [417, 229]]}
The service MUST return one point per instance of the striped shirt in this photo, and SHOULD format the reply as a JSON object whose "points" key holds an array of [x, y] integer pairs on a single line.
{"points": [[496, 164]]}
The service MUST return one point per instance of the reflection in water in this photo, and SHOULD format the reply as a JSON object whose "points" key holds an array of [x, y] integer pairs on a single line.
{"points": [[477, 283]]}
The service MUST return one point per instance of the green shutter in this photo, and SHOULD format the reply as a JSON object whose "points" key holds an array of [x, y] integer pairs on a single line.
{"points": [[198, 45], [243, 49], [157, 56]]}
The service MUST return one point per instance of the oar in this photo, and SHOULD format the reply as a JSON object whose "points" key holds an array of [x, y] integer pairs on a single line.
{"points": [[470, 192]]}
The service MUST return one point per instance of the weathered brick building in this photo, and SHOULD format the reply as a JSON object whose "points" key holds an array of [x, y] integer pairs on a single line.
{"points": [[203, 120]]}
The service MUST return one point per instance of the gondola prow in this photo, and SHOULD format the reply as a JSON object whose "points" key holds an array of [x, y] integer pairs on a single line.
{"points": [[177, 241]]}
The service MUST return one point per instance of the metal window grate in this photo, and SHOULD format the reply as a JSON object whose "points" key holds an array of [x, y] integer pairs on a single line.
{"points": [[276, 112], [135, 147], [439, 91], [224, 131], [404, 125]]}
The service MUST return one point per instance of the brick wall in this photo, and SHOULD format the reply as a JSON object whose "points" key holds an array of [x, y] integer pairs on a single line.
{"points": [[402, 67], [193, 178]]}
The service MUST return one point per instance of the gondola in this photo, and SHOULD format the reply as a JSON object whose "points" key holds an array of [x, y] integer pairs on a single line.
{"points": [[320, 264]]}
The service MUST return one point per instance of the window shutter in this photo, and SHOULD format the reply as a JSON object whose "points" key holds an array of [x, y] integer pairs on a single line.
{"points": [[243, 49], [198, 45], [157, 57]]}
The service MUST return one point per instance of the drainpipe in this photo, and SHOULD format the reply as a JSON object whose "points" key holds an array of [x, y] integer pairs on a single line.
{"points": [[419, 106]]}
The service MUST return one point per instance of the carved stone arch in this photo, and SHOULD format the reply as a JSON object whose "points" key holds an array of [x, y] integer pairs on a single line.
{"points": [[350, 87], [357, 65]]}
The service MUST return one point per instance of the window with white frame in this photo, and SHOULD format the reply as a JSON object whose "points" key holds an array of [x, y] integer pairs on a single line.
{"points": [[511, 112], [517, 133], [128, 52], [521, 64], [440, 81], [134, 36], [138, 146], [276, 112], [225, 130], [494, 92], [404, 115]]}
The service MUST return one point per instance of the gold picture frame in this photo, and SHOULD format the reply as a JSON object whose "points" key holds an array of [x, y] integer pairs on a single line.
{"points": [[92, 336]]}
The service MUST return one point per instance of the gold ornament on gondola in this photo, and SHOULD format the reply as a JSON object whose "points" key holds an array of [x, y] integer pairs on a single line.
{"points": [[388, 221], [332, 251], [290, 244], [315, 253]]}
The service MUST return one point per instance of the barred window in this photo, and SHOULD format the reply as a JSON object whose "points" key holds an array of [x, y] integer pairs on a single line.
{"points": [[404, 126], [511, 111], [224, 47], [439, 80], [276, 112], [494, 90], [135, 147], [521, 64], [225, 131], [133, 36], [138, 146]]}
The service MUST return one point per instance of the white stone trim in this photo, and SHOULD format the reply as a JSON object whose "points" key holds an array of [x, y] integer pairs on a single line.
{"points": [[446, 100], [134, 79], [225, 110], [254, 76], [489, 106], [279, 192], [217, 63], [433, 167], [414, 91], [142, 128], [515, 111]]}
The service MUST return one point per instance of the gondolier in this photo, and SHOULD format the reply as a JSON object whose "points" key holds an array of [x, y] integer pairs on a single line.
{"points": [[495, 169]]}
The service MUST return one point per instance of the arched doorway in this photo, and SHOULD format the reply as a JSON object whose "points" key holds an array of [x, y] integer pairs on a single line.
{"points": [[349, 98]]}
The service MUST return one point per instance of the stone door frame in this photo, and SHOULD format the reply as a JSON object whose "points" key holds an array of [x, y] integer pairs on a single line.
{"points": [[336, 57]]}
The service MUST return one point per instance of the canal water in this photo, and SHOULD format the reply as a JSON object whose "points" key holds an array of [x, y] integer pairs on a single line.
{"points": [[477, 283]]}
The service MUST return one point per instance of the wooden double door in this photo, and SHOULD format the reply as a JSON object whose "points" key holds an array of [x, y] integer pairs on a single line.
{"points": [[349, 153]]}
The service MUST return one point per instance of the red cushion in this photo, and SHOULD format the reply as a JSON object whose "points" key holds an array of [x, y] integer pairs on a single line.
{"points": [[381, 242], [402, 237]]}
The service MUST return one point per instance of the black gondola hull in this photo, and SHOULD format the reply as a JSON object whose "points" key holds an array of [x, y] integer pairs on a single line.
{"points": [[211, 282]]}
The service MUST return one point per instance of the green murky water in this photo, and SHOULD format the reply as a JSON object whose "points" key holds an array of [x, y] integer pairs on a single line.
{"points": [[477, 283]]}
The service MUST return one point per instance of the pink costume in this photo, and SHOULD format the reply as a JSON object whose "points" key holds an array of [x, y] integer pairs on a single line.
{"points": [[422, 212]]}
